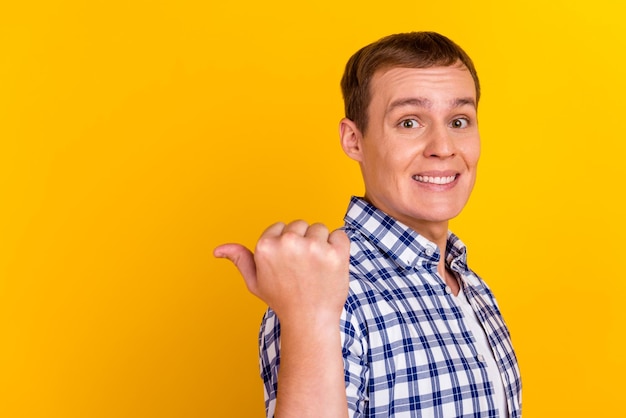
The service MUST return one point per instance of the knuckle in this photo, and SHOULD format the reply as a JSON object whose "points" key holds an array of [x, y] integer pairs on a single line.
{"points": [[290, 236], [264, 245], [319, 226], [298, 223]]}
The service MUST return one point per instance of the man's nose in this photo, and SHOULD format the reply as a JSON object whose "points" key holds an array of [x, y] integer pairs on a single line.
{"points": [[440, 143]]}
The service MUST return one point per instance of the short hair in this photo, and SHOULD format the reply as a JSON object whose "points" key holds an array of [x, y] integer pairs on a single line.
{"points": [[407, 50]]}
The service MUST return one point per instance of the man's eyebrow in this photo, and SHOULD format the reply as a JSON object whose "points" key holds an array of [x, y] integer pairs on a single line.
{"points": [[410, 101], [427, 104], [463, 101]]}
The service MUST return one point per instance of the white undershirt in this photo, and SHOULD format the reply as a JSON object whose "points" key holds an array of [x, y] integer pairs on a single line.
{"points": [[484, 351]]}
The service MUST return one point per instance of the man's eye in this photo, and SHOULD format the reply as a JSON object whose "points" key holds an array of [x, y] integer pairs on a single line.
{"points": [[460, 123], [409, 123]]}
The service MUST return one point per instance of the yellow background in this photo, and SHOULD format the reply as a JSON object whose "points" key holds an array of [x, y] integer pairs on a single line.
{"points": [[138, 135]]}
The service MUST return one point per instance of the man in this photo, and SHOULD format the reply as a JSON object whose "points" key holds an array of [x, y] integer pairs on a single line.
{"points": [[420, 333]]}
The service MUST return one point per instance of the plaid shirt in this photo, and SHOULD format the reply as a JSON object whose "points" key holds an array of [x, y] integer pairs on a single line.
{"points": [[406, 349]]}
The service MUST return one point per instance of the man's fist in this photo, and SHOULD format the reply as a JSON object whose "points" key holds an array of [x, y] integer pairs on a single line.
{"points": [[299, 270]]}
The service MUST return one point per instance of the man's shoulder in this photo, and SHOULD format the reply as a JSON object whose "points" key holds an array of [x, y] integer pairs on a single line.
{"points": [[364, 255], [369, 265]]}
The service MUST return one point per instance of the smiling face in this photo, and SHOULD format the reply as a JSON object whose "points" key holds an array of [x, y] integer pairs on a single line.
{"points": [[420, 150]]}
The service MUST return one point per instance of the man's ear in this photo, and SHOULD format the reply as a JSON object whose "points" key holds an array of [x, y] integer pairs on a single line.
{"points": [[351, 139]]}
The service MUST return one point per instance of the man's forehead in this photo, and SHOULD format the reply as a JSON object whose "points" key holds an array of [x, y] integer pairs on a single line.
{"points": [[385, 72], [395, 80]]}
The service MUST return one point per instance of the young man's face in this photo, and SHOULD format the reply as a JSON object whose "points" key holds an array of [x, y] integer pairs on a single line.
{"points": [[421, 147]]}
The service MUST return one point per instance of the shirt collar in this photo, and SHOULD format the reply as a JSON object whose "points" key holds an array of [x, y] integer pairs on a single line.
{"points": [[456, 252], [399, 242]]}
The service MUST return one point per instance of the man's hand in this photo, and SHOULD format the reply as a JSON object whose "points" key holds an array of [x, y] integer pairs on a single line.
{"points": [[300, 271]]}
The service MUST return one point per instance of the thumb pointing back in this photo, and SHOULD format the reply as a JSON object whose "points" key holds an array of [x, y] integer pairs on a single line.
{"points": [[243, 259]]}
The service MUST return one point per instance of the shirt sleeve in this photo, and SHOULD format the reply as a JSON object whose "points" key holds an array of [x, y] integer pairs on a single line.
{"points": [[356, 368], [269, 359]]}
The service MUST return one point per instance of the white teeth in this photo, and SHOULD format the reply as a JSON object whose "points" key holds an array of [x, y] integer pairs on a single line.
{"points": [[434, 180]]}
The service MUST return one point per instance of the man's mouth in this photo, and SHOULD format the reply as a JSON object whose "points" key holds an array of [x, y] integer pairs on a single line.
{"points": [[435, 179]]}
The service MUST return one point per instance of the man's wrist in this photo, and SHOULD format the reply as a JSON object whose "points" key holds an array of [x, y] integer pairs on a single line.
{"points": [[310, 322]]}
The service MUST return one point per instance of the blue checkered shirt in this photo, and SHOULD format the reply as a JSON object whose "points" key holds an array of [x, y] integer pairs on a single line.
{"points": [[406, 349]]}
